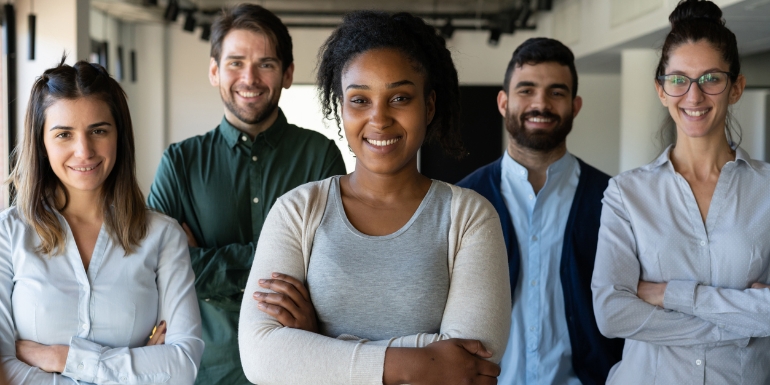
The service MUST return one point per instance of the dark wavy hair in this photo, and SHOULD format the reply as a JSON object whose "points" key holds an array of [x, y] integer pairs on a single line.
{"points": [[693, 21], [125, 213], [538, 50], [255, 18], [362, 31]]}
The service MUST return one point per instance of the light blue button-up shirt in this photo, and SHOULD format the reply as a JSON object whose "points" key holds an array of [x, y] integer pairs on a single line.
{"points": [[104, 314], [539, 350], [713, 328]]}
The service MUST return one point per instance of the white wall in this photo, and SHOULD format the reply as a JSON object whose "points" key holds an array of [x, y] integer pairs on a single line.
{"points": [[756, 68], [58, 26], [752, 113], [595, 135], [146, 97]]}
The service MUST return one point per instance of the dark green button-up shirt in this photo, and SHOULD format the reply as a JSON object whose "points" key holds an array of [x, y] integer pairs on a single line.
{"points": [[222, 185]]}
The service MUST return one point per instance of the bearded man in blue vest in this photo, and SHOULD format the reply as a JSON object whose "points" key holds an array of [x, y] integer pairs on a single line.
{"points": [[549, 203]]}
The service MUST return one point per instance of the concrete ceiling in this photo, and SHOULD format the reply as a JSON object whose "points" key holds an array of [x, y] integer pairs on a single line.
{"points": [[749, 20]]}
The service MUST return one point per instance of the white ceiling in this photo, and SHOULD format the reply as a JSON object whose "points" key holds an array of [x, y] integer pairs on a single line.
{"points": [[749, 20]]}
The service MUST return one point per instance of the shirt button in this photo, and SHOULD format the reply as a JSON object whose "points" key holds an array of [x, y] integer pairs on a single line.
{"points": [[85, 326], [244, 138], [531, 328], [206, 299], [533, 283], [123, 379], [522, 172], [256, 200], [703, 243], [254, 158], [80, 367], [531, 197], [698, 362], [534, 237]]}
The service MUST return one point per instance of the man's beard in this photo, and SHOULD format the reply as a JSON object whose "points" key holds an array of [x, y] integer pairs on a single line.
{"points": [[244, 115], [538, 140]]}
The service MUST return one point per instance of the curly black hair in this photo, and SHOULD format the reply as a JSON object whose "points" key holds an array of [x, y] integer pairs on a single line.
{"points": [[362, 31]]}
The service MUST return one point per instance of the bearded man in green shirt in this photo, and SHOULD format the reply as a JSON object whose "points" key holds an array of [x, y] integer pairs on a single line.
{"points": [[221, 185]]}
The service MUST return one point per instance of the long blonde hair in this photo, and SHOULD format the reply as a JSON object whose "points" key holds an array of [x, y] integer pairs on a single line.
{"points": [[36, 185]]}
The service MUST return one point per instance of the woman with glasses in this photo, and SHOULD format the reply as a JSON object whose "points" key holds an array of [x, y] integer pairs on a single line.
{"points": [[86, 271], [683, 257]]}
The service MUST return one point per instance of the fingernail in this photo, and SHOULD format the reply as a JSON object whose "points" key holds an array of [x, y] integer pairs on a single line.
{"points": [[261, 305], [258, 294], [276, 275], [162, 323]]}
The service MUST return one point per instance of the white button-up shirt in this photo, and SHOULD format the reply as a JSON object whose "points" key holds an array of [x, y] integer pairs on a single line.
{"points": [[104, 314], [714, 328]]}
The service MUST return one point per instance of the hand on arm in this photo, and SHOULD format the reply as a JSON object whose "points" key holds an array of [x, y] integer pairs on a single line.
{"points": [[452, 361], [190, 237], [158, 337], [290, 304]]}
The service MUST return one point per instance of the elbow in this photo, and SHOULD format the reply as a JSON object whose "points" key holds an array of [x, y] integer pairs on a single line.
{"points": [[609, 311]]}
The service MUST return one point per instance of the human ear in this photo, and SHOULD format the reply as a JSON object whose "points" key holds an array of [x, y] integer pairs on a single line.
{"points": [[288, 76], [661, 94], [736, 89], [502, 102], [214, 72], [577, 104], [430, 106]]}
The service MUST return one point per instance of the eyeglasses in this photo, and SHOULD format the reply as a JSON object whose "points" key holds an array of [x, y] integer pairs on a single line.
{"points": [[713, 83]]}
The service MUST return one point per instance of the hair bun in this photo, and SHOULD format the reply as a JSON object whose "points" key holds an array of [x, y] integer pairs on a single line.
{"points": [[691, 10]]}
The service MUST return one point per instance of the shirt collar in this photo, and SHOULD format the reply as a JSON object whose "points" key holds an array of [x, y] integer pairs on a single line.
{"points": [[664, 157], [514, 168], [272, 135]]}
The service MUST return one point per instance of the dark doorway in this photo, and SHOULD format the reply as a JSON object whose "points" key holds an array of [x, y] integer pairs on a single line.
{"points": [[482, 135]]}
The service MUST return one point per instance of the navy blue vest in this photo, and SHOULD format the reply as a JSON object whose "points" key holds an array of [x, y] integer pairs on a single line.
{"points": [[592, 354]]}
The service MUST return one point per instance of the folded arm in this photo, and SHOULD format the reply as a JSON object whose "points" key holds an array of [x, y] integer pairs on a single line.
{"points": [[619, 311], [220, 272], [478, 307]]}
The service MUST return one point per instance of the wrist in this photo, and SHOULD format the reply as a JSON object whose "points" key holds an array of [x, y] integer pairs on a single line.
{"points": [[399, 365], [60, 353]]}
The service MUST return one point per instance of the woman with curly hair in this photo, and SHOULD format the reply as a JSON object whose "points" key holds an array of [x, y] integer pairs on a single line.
{"points": [[382, 275], [86, 271]]}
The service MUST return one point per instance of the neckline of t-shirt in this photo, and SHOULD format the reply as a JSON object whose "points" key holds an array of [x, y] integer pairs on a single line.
{"points": [[337, 195]]}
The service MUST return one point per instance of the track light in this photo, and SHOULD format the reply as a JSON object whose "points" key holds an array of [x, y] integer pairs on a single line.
{"points": [[172, 11], [189, 22], [494, 36], [447, 30], [544, 5], [525, 14], [205, 32]]}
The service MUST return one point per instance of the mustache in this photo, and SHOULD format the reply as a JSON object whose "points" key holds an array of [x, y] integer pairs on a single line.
{"points": [[538, 113], [249, 89]]}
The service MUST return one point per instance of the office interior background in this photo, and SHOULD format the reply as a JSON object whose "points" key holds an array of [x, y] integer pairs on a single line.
{"points": [[158, 50]]}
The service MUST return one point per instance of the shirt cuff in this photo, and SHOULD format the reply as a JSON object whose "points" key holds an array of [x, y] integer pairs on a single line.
{"points": [[680, 296], [83, 360], [368, 364]]}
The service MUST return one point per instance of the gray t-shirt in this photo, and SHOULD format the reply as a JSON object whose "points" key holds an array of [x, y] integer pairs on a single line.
{"points": [[380, 287]]}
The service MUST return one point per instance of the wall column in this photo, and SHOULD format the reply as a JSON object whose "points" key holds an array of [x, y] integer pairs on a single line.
{"points": [[641, 112]]}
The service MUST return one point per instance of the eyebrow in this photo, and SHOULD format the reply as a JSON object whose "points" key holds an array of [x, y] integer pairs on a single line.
{"points": [[710, 70], [241, 57], [388, 86], [90, 126], [558, 86]]}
